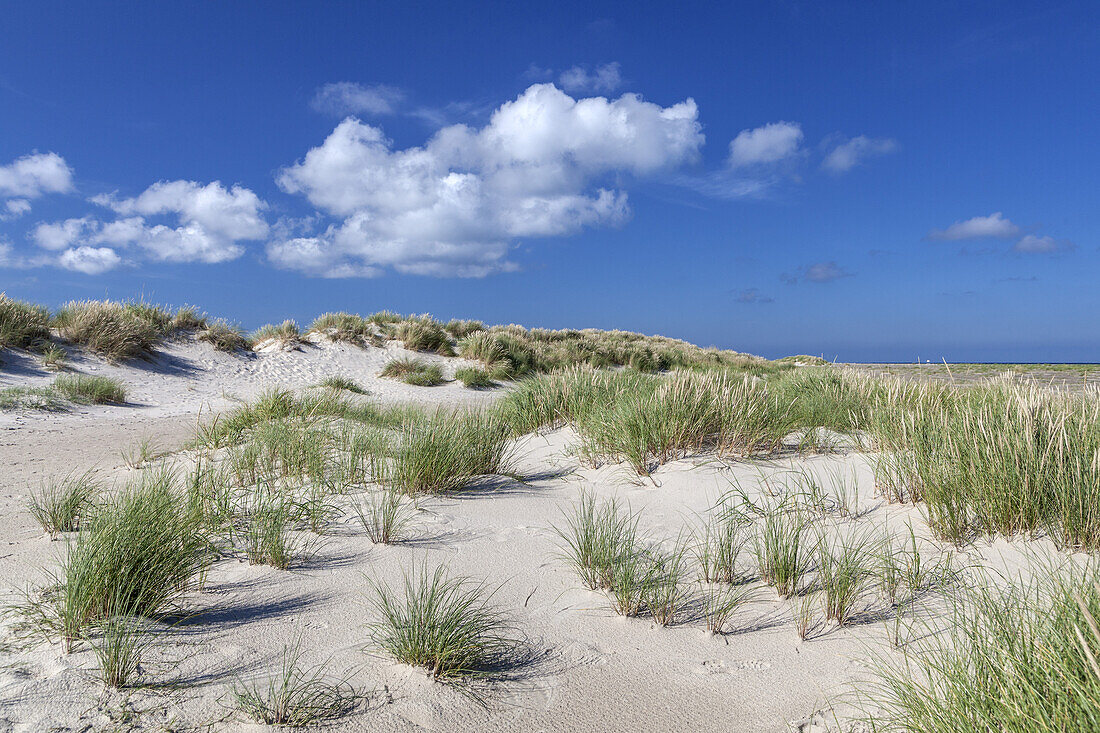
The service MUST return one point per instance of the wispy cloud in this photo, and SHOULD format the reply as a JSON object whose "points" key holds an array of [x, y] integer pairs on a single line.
{"points": [[603, 79], [847, 155], [1041, 244], [348, 98]]}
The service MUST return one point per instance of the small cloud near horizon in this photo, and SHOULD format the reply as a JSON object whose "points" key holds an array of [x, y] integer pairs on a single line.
{"points": [[818, 272], [753, 295], [994, 226]]}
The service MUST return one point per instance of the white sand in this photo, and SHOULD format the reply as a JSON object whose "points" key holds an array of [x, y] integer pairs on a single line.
{"points": [[593, 671]]}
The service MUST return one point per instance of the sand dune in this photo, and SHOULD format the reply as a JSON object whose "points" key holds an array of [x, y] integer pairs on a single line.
{"points": [[590, 670]]}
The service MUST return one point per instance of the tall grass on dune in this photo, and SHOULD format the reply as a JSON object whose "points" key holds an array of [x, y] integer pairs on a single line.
{"points": [[996, 459], [344, 327], [447, 450], [424, 333], [650, 420], [1018, 658], [416, 372], [446, 624], [22, 324], [115, 330], [224, 336], [286, 333]]}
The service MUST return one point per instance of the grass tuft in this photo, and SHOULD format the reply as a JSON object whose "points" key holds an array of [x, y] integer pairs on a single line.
{"points": [[60, 505], [296, 696], [90, 390], [446, 625]]}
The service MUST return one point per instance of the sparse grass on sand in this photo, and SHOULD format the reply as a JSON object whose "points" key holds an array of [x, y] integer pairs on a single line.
{"points": [[446, 624], [297, 695]]}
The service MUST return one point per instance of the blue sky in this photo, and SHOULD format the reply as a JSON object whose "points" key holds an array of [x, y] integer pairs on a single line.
{"points": [[865, 181]]}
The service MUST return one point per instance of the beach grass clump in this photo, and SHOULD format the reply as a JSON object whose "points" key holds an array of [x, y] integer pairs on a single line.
{"points": [[188, 318], [60, 505], [345, 384], [269, 537], [114, 330], [89, 389], [224, 336], [447, 450], [460, 328], [718, 546], [666, 591], [411, 370], [385, 515], [296, 696], [341, 326], [447, 625], [53, 356], [595, 536], [424, 333], [845, 564], [286, 334], [1016, 658], [995, 459], [474, 378], [781, 550], [721, 602], [22, 324], [118, 649], [648, 420], [135, 556]]}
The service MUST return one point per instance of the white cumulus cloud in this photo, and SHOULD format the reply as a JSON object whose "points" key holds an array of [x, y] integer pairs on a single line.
{"points": [[847, 155], [604, 79], [89, 260], [348, 98], [768, 144], [35, 174], [210, 221], [979, 227], [544, 165]]}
